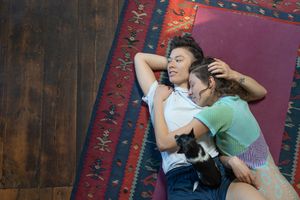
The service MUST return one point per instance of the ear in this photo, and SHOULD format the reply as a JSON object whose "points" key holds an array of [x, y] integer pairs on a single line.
{"points": [[191, 134], [211, 82]]}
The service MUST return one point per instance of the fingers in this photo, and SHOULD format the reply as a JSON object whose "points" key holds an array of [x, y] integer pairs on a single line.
{"points": [[216, 59], [214, 65], [216, 70], [249, 178], [255, 182], [245, 179], [218, 67]]}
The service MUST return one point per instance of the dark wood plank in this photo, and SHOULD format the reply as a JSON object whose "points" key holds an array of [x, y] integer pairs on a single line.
{"points": [[4, 24], [62, 193], [55, 193], [8, 194], [59, 100], [97, 25], [28, 194], [49, 76], [86, 67], [24, 78], [46, 194]]}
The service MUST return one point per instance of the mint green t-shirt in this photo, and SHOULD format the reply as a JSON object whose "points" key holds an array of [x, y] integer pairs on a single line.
{"points": [[233, 124]]}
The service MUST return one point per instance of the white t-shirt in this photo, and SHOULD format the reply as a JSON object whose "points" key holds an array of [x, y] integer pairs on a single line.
{"points": [[179, 110]]}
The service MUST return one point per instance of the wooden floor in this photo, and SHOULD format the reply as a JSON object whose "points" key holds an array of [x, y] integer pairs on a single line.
{"points": [[52, 55]]}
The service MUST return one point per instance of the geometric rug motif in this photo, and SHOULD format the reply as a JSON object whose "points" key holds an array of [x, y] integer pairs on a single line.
{"points": [[119, 158]]}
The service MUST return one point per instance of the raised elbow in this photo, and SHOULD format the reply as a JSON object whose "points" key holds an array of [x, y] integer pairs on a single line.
{"points": [[258, 96], [264, 93], [138, 60], [138, 56]]}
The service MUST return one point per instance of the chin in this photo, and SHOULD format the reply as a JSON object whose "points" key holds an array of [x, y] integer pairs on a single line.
{"points": [[199, 104], [178, 83], [172, 80]]}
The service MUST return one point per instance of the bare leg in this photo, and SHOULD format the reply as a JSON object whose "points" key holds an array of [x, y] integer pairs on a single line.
{"points": [[243, 191], [273, 185]]}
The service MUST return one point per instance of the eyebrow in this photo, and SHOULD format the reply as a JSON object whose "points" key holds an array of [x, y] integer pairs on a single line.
{"points": [[176, 56]]}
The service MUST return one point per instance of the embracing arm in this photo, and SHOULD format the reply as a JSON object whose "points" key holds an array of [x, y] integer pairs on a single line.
{"points": [[145, 64], [240, 170], [254, 89], [165, 140]]}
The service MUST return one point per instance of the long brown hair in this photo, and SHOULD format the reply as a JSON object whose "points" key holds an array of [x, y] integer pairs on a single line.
{"points": [[223, 87]]}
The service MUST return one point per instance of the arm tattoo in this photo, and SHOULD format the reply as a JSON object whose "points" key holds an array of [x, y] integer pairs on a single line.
{"points": [[242, 81]]}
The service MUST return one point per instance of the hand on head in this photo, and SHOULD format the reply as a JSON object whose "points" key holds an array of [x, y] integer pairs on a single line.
{"points": [[221, 70]]}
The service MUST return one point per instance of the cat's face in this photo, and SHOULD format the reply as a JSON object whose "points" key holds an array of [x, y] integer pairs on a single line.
{"points": [[184, 140]]}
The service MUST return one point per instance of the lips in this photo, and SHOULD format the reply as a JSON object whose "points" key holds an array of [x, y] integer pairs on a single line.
{"points": [[172, 73]]}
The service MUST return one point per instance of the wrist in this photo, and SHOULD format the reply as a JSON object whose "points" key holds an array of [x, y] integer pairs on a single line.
{"points": [[240, 78], [236, 76], [230, 161]]}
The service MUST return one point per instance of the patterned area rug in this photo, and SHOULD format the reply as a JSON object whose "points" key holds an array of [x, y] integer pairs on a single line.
{"points": [[120, 159]]}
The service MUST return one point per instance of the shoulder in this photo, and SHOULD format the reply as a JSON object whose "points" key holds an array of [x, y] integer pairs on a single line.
{"points": [[220, 107], [150, 95], [220, 110]]}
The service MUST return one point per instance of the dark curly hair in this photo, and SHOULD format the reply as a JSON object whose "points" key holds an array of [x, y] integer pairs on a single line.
{"points": [[189, 43], [223, 87]]}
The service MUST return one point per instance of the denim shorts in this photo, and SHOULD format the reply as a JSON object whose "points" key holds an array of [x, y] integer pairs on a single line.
{"points": [[181, 181]]}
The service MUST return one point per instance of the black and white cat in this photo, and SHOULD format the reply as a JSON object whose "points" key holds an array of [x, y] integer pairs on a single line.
{"points": [[205, 165]]}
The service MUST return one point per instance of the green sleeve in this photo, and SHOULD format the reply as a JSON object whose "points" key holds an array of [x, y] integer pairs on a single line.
{"points": [[217, 118]]}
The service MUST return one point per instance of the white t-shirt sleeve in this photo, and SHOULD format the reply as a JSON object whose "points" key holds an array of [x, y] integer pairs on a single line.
{"points": [[148, 99]]}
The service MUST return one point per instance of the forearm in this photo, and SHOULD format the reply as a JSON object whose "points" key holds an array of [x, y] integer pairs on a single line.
{"points": [[241, 171], [164, 139], [145, 64], [153, 61], [225, 160], [255, 90]]}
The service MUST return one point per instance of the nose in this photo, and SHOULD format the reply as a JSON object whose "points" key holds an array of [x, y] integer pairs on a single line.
{"points": [[170, 62], [190, 92]]}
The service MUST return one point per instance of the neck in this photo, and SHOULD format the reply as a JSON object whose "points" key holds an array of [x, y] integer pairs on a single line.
{"points": [[214, 99], [182, 85]]}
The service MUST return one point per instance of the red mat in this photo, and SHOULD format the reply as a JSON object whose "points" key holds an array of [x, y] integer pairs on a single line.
{"points": [[262, 48]]}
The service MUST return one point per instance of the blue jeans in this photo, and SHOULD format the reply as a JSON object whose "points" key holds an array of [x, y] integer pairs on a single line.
{"points": [[181, 181]]}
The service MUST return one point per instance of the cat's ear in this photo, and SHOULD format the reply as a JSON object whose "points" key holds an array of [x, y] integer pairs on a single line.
{"points": [[191, 134], [176, 137]]}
